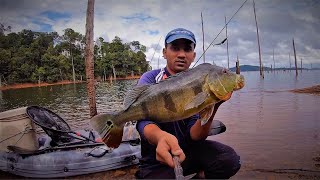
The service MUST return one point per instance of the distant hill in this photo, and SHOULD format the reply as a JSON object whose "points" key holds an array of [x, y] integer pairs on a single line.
{"points": [[246, 68], [256, 68]]}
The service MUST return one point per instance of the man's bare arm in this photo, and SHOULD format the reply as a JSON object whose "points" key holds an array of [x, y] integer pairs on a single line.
{"points": [[198, 132], [167, 144]]}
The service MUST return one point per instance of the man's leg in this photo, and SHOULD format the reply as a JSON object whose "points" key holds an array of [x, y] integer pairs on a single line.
{"points": [[218, 161], [157, 171]]}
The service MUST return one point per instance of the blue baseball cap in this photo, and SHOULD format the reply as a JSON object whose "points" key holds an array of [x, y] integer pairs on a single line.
{"points": [[180, 33]]}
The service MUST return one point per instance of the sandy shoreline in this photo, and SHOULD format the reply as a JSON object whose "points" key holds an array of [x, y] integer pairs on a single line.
{"points": [[28, 85]]}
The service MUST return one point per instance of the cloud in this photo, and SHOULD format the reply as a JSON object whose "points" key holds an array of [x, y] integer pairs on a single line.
{"points": [[53, 15], [42, 26], [146, 21], [137, 17]]}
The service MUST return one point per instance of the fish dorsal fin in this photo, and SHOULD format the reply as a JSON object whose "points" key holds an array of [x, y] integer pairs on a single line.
{"points": [[133, 95]]}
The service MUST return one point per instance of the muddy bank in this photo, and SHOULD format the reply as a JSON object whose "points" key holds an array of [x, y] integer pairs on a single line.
{"points": [[121, 173], [310, 90], [244, 173]]}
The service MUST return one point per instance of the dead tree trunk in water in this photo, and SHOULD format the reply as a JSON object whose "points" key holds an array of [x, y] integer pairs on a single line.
{"points": [[274, 63], [262, 71], [114, 72], [295, 57], [204, 58], [225, 21], [289, 62], [237, 66], [73, 71], [89, 59], [255, 17]]}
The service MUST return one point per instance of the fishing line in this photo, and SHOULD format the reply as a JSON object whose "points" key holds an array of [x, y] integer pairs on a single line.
{"points": [[156, 49], [220, 32]]}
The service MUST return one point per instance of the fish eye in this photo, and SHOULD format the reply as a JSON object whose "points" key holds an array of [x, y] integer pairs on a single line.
{"points": [[109, 123]]}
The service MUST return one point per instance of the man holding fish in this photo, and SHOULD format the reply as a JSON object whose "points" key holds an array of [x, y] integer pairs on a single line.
{"points": [[181, 138], [175, 107]]}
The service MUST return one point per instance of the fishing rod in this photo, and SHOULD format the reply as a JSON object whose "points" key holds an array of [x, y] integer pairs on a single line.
{"points": [[219, 34]]}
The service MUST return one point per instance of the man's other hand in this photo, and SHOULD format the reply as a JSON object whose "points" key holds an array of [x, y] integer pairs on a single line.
{"points": [[167, 147]]}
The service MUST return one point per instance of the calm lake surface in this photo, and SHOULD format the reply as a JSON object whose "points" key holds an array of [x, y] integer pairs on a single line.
{"points": [[268, 126]]}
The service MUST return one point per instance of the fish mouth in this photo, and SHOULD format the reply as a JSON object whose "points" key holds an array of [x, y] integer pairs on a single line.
{"points": [[226, 97], [239, 82]]}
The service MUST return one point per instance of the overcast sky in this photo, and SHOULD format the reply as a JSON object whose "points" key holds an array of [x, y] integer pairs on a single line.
{"points": [[147, 21]]}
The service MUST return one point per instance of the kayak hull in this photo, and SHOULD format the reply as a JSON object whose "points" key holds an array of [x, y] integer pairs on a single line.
{"points": [[64, 163]]}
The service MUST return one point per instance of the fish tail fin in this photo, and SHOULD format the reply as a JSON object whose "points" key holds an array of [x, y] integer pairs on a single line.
{"points": [[110, 132]]}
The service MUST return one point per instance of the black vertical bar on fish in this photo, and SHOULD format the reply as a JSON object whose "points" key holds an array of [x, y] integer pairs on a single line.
{"points": [[168, 102]]}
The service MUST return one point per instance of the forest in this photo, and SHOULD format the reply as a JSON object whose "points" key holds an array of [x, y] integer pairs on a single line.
{"points": [[29, 57]]}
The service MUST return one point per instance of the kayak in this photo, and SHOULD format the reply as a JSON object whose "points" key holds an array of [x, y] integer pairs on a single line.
{"points": [[69, 160], [58, 153]]}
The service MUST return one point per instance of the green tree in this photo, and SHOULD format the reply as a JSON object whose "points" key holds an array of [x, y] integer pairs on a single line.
{"points": [[4, 28], [5, 56], [73, 43], [28, 56]]}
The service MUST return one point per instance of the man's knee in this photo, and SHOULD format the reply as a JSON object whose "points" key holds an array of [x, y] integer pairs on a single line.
{"points": [[231, 164], [219, 161], [225, 166], [156, 171]]}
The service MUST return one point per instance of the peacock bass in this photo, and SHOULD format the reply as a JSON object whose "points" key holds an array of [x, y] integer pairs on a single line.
{"points": [[175, 98]]}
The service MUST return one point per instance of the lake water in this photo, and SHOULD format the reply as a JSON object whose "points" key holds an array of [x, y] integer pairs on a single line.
{"points": [[270, 128]]}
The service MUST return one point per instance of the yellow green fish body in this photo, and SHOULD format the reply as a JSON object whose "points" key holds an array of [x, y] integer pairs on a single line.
{"points": [[176, 98]]}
